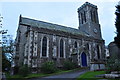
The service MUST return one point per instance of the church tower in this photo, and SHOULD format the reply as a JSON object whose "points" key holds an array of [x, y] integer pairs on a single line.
{"points": [[88, 20]]}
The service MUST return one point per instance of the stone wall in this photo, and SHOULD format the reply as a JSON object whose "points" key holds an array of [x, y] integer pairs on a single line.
{"points": [[84, 44]]}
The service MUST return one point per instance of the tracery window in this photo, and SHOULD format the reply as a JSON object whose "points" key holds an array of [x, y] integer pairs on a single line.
{"points": [[44, 47], [61, 48], [98, 52]]}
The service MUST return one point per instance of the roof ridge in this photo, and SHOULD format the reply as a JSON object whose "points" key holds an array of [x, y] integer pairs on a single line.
{"points": [[48, 23]]}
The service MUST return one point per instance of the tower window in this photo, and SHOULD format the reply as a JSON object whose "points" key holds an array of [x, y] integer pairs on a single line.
{"points": [[91, 16], [84, 16], [94, 14], [61, 48], [44, 47]]}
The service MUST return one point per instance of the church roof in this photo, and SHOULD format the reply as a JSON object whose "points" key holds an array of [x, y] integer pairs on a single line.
{"points": [[51, 26]]}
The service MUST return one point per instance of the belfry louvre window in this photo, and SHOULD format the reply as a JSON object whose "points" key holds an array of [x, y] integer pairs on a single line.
{"points": [[81, 18], [84, 16], [91, 16], [94, 14], [44, 47], [61, 48]]}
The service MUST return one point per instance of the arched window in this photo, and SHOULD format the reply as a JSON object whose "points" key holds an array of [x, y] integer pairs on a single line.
{"points": [[84, 16], [81, 18], [61, 48], [94, 14], [87, 46], [44, 47], [98, 52], [75, 45], [91, 16]]}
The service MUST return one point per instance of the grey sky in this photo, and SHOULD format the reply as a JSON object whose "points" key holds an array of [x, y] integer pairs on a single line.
{"points": [[63, 13]]}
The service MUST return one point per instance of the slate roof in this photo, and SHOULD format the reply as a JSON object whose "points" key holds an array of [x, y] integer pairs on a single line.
{"points": [[42, 24]]}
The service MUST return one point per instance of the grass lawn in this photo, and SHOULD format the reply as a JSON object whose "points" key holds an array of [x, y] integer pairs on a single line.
{"points": [[90, 75]]}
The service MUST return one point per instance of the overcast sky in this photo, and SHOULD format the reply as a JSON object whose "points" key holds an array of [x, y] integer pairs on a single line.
{"points": [[62, 13]]}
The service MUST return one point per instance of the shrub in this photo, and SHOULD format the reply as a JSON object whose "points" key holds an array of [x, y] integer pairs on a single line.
{"points": [[112, 65], [67, 65], [24, 70], [108, 69], [48, 67], [16, 68]]}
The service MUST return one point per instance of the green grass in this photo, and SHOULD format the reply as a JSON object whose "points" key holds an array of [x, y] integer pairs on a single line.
{"points": [[90, 75], [9, 76]]}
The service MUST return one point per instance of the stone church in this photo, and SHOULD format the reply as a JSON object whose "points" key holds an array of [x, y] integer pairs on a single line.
{"points": [[39, 41]]}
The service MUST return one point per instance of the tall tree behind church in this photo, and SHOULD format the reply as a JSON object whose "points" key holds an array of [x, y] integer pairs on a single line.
{"points": [[117, 25]]}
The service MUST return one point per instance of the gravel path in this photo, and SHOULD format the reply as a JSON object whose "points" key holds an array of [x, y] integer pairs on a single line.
{"points": [[64, 76]]}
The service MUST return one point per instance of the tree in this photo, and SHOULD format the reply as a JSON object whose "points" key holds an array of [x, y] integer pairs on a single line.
{"points": [[7, 52], [113, 63], [6, 46], [5, 63], [117, 25]]}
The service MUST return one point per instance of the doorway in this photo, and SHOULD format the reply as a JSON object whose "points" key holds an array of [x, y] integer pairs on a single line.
{"points": [[84, 59]]}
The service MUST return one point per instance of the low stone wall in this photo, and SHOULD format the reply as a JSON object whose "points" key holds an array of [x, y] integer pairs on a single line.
{"points": [[97, 67], [112, 76]]}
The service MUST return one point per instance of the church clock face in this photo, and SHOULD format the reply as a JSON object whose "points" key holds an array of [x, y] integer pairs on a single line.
{"points": [[95, 31]]}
